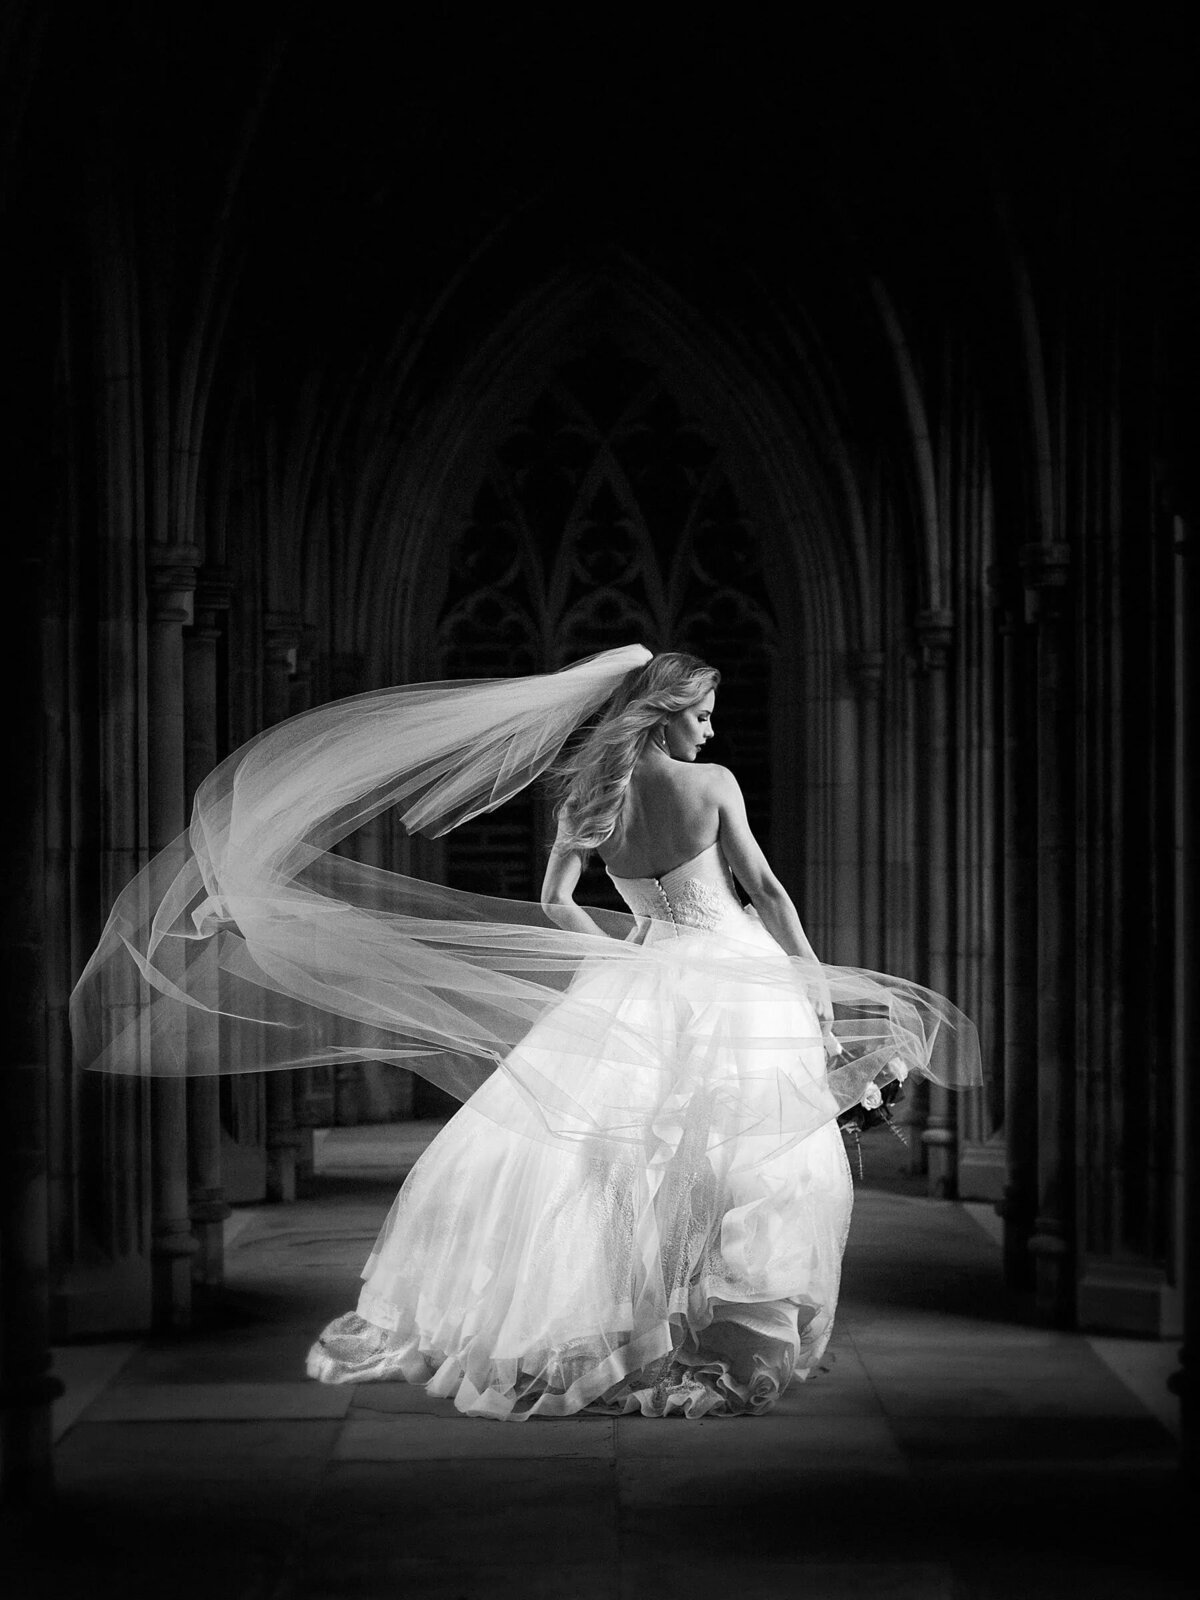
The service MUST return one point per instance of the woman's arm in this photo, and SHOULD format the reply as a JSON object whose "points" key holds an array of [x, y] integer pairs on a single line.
{"points": [[558, 889], [753, 871]]}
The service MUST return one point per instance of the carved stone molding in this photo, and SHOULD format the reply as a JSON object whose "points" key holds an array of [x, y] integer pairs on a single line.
{"points": [[1006, 595], [171, 573], [282, 633], [1046, 570], [934, 630], [213, 596], [866, 669]]}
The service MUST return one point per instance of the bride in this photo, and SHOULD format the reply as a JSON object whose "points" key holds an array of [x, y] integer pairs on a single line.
{"points": [[687, 1273], [643, 1202]]}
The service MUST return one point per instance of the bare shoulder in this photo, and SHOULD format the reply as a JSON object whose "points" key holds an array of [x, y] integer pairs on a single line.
{"points": [[701, 781], [719, 781]]}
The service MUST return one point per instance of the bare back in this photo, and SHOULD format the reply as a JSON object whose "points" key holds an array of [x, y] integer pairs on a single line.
{"points": [[669, 816]]}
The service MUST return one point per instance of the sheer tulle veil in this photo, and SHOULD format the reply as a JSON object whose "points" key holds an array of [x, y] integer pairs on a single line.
{"points": [[250, 945]]}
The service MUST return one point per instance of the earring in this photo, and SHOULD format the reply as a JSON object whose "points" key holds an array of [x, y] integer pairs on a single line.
{"points": [[660, 737]]}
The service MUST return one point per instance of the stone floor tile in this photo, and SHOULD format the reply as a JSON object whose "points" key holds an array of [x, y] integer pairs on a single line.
{"points": [[112, 1543], [84, 1370], [383, 1436], [1146, 1367], [764, 1519], [197, 1450], [524, 1513], [230, 1402], [403, 1579], [963, 1442], [682, 1579], [403, 1398], [830, 1399], [929, 1333], [273, 1357], [959, 1385], [779, 1436], [653, 1483]]}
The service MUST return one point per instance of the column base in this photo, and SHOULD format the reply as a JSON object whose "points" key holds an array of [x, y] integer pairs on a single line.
{"points": [[1054, 1282], [941, 1163], [1125, 1297], [281, 1171], [982, 1170], [208, 1212], [27, 1439], [1018, 1217], [171, 1278]]}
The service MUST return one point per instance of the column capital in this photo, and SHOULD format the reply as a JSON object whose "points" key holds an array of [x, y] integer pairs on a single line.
{"points": [[282, 632], [1045, 569], [866, 670], [214, 589], [934, 630], [171, 571], [1006, 595]]}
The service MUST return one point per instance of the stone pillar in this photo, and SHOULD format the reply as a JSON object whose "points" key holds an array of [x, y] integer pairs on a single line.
{"points": [[1046, 568], [309, 1104], [27, 1386], [845, 831], [171, 579], [207, 1206], [902, 932], [869, 681], [1018, 953], [282, 636], [934, 632], [1186, 1382]]}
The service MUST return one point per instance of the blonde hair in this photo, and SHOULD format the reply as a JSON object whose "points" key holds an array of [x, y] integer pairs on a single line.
{"points": [[593, 778]]}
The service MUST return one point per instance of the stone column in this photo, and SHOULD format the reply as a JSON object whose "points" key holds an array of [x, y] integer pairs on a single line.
{"points": [[207, 1206], [934, 632], [171, 579], [1046, 568], [27, 1385], [282, 635], [309, 1105], [1186, 1381], [1018, 953], [845, 829], [869, 680]]}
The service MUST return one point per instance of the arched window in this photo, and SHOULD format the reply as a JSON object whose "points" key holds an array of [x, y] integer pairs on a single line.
{"points": [[605, 517]]}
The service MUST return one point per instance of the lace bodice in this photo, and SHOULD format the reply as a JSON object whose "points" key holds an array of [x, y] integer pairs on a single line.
{"points": [[696, 894]]}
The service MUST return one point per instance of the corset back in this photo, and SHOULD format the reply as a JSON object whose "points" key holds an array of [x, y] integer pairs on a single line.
{"points": [[697, 894]]}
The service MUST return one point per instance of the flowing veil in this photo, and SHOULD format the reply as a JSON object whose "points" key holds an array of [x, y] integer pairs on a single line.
{"points": [[249, 945]]}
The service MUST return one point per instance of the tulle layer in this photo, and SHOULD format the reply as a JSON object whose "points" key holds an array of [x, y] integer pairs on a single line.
{"points": [[350, 962], [533, 1280], [249, 946]]}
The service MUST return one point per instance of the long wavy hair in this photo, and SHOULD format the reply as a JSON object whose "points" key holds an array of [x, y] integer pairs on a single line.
{"points": [[592, 779]]}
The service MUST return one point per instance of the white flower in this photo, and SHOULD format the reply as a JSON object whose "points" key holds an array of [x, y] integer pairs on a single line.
{"points": [[833, 1045], [898, 1068], [871, 1097]]}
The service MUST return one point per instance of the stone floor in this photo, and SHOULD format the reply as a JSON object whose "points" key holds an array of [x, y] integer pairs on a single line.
{"points": [[954, 1449]]}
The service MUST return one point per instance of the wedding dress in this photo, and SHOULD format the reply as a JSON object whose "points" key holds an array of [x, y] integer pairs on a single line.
{"points": [[644, 1199], [696, 1272]]}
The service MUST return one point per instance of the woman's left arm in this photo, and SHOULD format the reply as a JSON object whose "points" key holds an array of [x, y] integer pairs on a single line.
{"points": [[563, 872]]}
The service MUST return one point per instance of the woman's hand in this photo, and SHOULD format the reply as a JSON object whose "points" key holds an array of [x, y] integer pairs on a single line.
{"points": [[822, 1001]]}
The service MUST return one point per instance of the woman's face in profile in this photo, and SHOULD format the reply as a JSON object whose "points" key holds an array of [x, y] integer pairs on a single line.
{"points": [[690, 728]]}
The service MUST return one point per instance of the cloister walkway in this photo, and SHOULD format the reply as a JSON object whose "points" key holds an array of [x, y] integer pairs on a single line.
{"points": [[952, 1449]]}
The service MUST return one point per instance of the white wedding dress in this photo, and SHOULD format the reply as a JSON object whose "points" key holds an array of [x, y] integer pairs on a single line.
{"points": [[694, 1272]]}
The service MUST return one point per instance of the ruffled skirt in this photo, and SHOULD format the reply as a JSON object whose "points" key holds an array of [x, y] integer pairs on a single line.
{"points": [[688, 1269]]}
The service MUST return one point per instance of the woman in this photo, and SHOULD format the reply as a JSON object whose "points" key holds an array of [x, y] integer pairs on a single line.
{"points": [[643, 1202], [687, 1274]]}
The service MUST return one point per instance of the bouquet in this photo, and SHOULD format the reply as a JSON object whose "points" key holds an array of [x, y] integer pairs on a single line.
{"points": [[875, 1109]]}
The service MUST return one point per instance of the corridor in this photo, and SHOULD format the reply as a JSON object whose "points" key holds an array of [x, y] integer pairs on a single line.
{"points": [[953, 1448]]}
